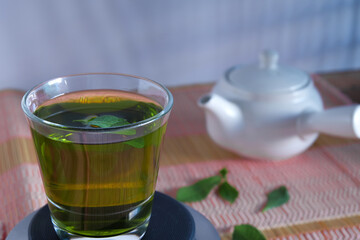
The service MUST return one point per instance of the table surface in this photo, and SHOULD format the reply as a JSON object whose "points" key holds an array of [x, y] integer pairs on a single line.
{"points": [[183, 147], [347, 82], [186, 149]]}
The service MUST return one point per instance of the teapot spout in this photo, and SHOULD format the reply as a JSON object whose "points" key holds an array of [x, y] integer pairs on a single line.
{"points": [[223, 119]]}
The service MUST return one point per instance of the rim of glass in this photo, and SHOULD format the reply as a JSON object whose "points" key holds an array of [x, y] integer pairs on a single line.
{"points": [[35, 118]]}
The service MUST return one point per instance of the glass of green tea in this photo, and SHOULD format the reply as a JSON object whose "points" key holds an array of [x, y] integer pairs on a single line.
{"points": [[98, 140]]}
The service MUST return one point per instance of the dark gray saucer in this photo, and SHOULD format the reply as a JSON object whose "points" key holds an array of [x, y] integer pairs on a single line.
{"points": [[170, 220]]}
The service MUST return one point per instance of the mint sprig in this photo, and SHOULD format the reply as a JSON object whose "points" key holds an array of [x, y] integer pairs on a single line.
{"points": [[225, 190], [201, 189], [223, 172], [276, 198], [228, 192], [247, 232]]}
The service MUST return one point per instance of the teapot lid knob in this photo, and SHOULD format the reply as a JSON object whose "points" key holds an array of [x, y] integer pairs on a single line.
{"points": [[269, 59]]}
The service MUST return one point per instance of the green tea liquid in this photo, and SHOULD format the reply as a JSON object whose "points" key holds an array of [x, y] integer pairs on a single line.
{"points": [[99, 189]]}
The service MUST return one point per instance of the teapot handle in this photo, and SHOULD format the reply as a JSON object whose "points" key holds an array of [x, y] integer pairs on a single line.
{"points": [[341, 121]]}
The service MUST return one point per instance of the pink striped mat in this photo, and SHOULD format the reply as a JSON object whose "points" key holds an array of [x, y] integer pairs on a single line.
{"points": [[14, 124], [321, 185], [323, 182], [21, 188], [346, 233]]}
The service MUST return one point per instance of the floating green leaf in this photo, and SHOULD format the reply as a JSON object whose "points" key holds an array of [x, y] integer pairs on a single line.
{"points": [[107, 121], [136, 143], [277, 198], [86, 120], [228, 192], [198, 191], [59, 137], [127, 132], [247, 232]]}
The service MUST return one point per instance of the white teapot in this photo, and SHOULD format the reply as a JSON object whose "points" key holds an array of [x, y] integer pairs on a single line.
{"points": [[272, 112]]}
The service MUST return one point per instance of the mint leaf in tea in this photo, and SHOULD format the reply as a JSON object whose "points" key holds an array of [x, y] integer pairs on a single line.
{"points": [[108, 121], [105, 121], [108, 182]]}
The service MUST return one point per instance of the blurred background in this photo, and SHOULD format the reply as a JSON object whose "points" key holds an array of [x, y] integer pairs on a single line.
{"points": [[171, 41]]}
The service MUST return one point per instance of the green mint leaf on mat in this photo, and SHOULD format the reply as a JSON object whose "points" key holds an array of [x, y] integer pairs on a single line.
{"points": [[199, 190], [277, 198], [228, 192], [247, 232], [202, 188], [223, 172]]}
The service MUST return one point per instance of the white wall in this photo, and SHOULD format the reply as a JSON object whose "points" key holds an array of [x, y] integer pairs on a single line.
{"points": [[171, 41]]}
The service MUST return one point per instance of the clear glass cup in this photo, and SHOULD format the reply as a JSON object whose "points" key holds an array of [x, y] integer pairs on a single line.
{"points": [[98, 139]]}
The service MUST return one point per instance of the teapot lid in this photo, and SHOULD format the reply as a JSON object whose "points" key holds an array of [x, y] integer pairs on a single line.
{"points": [[268, 77]]}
